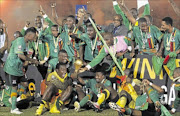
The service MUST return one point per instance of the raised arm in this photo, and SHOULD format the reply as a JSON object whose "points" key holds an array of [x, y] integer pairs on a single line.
{"points": [[95, 61], [146, 10], [46, 18], [127, 13], [119, 11], [157, 88], [80, 22], [54, 14], [25, 28]]}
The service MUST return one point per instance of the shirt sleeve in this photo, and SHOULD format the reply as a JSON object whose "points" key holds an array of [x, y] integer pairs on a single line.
{"points": [[88, 83], [47, 19], [97, 59], [48, 77], [23, 30], [146, 10], [135, 30], [159, 35], [128, 41], [108, 83], [153, 94], [120, 12]]}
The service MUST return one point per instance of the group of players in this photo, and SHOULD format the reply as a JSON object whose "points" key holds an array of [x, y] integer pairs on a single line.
{"points": [[59, 50]]}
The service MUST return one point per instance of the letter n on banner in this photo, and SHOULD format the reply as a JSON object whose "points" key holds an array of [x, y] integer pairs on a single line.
{"points": [[146, 63]]}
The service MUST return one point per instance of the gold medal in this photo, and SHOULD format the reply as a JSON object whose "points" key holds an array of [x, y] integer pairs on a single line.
{"points": [[169, 40], [55, 43]]}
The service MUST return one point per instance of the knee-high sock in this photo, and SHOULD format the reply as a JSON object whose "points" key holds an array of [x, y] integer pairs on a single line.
{"points": [[103, 96], [122, 101], [59, 103], [128, 111], [85, 99], [13, 98], [21, 90]]}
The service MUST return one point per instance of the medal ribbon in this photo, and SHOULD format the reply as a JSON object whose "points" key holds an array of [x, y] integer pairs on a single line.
{"points": [[73, 42], [36, 45], [55, 41], [172, 44], [60, 45], [150, 40], [75, 29], [169, 42]]}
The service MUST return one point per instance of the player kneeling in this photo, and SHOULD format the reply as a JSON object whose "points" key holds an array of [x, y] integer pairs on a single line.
{"points": [[57, 81]]}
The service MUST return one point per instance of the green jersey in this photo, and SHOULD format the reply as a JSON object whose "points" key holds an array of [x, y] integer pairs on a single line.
{"points": [[53, 44], [120, 45], [141, 101], [177, 100], [177, 86], [14, 64], [40, 48], [54, 50], [70, 44], [91, 83], [47, 19], [5, 94], [45, 31], [103, 52], [147, 41], [126, 22], [171, 41], [92, 47]]}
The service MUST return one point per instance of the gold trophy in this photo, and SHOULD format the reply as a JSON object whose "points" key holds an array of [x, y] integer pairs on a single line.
{"points": [[78, 64]]}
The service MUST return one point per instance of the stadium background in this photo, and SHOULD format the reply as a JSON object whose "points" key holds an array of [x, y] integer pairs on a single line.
{"points": [[16, 12]]}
